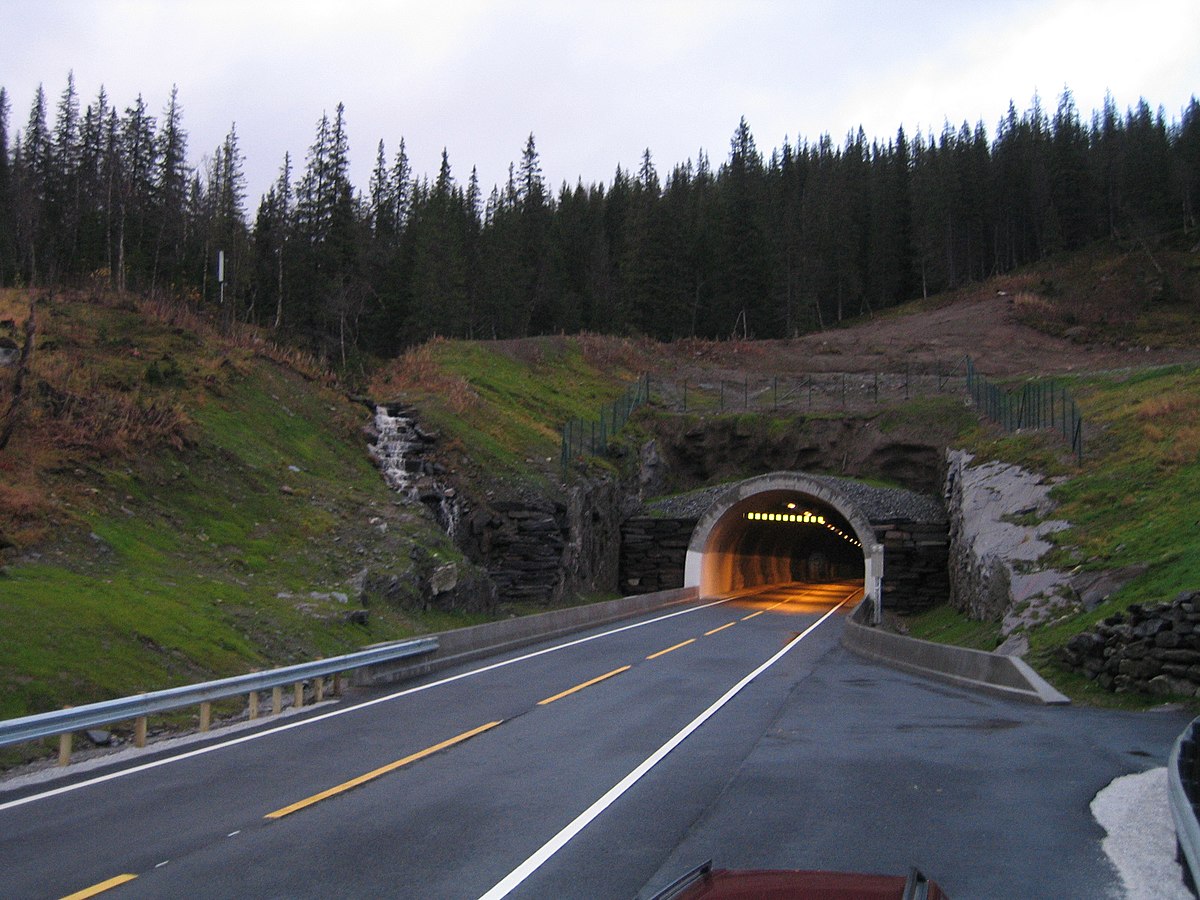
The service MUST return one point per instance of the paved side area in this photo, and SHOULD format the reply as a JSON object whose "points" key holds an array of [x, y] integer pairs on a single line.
{"points": [[868, 768]]}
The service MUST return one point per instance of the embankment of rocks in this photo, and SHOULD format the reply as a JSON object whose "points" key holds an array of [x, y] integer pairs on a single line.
{"points": [[1151, 649]]}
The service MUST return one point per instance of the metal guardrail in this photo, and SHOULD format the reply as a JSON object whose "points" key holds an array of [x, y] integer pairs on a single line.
{"points": [[64, 722], [1183, 794]]}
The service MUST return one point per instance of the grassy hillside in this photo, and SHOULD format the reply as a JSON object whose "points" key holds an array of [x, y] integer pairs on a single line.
{"points": [[500, 405], [1133, 505], [177, 505]]}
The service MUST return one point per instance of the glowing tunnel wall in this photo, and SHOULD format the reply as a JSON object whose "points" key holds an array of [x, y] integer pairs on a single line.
{"points": [[727, 552]]}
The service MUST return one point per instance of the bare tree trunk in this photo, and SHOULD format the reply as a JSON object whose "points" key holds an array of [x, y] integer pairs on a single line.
{"points": [[121, 253], [279, 296], [9, 421]]}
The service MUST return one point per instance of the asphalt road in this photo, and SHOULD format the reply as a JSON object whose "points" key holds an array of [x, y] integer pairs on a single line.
{"points": [[603, 766]]}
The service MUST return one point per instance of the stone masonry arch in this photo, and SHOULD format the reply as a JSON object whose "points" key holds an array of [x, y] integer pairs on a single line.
{"points": [[707, 562]]}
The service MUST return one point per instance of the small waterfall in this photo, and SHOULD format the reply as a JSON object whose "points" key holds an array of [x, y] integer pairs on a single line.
{"points": [[392, 450], [399, 451]]}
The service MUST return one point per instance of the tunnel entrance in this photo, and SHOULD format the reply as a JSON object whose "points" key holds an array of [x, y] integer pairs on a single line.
{"points": [[781, 528]]}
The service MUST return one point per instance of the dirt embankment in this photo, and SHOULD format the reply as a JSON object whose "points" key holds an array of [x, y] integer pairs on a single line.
{"points": [[1100, 310]]}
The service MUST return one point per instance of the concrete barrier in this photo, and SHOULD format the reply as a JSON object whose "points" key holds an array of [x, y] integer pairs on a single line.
{"points": [[464, 645], [1005, 676]]}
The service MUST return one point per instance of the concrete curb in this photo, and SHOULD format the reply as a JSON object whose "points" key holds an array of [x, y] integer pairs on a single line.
{"points": [[464, 645], [1005, 676]]}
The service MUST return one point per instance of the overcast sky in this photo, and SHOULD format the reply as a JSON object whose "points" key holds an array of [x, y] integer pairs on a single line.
{"points": [[597, 82]]}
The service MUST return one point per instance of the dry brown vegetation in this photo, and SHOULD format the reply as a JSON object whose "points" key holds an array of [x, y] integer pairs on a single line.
{"points": [[419, 371], [111, 378]]}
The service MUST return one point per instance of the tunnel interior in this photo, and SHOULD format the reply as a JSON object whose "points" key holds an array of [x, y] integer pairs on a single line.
{"points": [[780, 536]]}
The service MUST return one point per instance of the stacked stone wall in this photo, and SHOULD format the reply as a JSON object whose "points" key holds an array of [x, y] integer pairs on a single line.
{"points": [[653, 554], [1150, 649], [915, 577]]}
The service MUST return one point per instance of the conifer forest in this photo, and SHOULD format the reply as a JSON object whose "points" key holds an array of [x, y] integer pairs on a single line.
{"points": [[755, 244]]}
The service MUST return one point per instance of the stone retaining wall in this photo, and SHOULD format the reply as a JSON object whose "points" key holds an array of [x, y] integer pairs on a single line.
{"points": [[1151, 649], [521, 547], [653, 553], [915, 576]]}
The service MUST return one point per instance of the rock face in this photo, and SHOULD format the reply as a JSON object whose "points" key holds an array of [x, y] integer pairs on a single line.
{"points": [[728, 448], [993, 557], [1149, 649], [541, 551]]}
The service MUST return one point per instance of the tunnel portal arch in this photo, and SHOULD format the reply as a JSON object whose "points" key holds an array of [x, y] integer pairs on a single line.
{"points": [[722, 556]]}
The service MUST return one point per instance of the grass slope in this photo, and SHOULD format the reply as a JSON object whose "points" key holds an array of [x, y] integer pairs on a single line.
{"points": [[219, 537], [500, 406]]}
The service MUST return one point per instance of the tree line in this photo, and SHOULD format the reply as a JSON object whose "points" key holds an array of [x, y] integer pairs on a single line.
{"points": [[757, 245]]}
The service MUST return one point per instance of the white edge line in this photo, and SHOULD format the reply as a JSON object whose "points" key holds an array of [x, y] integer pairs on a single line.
{"points": [[111, 776], [585, 818]]}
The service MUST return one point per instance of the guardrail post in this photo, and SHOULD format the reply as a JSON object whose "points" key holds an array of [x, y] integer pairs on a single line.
{"points": [[66, 722], [337, 684], [298, 695]]}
